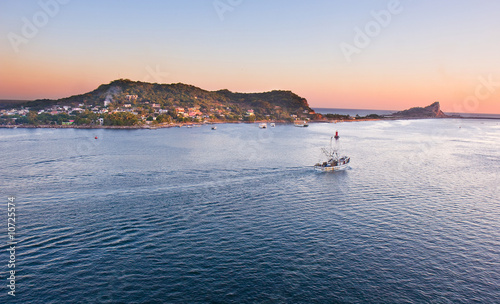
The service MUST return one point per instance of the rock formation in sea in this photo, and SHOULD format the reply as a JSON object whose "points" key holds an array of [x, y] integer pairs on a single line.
{"points": [[433, 110]]}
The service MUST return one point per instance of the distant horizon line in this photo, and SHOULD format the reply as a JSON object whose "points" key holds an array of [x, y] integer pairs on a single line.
{"points": [[357, 109], [312, 107]]}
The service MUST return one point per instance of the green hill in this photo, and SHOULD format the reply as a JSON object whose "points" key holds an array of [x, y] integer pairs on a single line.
{"points": [[170, 96], [8, 104]]}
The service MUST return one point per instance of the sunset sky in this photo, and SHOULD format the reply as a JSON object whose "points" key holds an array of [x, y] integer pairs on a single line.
{"points": [[369, 54]]}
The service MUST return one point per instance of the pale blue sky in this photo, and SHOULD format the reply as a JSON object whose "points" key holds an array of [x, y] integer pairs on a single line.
{"points": [[432, 50]]}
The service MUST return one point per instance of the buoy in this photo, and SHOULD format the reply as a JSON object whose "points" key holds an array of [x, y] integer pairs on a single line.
{"points": [[336, 135], [95, 137]]}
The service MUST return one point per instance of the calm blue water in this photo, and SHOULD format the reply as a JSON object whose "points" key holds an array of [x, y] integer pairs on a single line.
{"points": [[237, 215]]}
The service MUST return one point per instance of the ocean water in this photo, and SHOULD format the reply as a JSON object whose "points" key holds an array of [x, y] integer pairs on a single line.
{"points": [[476, 115], [238, 215]]}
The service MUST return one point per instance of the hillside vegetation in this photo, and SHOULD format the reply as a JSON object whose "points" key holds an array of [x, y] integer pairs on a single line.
{"points": [[171, 96]]}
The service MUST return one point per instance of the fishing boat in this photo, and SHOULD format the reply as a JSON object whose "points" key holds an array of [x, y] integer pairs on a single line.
{"points": [[214, 128], [273, 125], [334, 162], [263, 125], [301, 124]]}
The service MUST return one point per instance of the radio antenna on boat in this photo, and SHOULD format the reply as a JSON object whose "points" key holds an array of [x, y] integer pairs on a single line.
{"points": [[334, 160]]}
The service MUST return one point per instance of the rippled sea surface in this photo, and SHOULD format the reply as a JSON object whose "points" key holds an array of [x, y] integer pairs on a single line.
{"points": [[237, 215]]}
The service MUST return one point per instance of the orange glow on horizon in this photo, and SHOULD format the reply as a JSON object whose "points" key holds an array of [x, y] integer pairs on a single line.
{"points": [[40, 84]]}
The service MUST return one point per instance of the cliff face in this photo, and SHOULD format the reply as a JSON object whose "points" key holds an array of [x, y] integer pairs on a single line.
{"points": [[433, 110]]}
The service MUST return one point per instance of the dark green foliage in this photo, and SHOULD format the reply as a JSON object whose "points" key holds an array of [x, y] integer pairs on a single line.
{"points": [[120, 119], [163, 118], [268, 102], [10, 104], [146, 98], [170, 95], [337, 116], [43, 119]]}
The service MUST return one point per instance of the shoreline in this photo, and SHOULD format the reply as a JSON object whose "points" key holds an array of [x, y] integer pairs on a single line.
{"points": [[179, 125], [173, 125]]}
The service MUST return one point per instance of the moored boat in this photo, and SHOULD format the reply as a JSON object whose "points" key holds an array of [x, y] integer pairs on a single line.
{"points": [[301, 124]]}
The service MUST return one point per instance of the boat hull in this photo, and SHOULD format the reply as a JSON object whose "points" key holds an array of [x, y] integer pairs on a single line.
{"points": [[333, 168]]}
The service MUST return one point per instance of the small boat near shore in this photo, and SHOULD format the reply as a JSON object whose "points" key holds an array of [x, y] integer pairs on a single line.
{"points": [[214, 128], [263, 125], [334, 162], [301, 124]]}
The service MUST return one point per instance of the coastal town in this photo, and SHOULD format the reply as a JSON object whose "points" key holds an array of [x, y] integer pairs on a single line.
{"points": [[125, 103], [129, 114]]}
